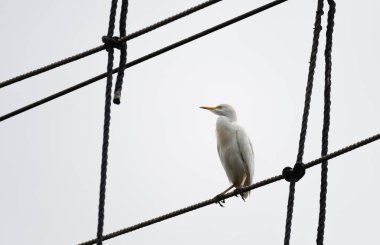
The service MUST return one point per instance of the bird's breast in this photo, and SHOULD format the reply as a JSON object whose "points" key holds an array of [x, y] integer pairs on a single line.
{"points": [[224, 138], [225, 134]]}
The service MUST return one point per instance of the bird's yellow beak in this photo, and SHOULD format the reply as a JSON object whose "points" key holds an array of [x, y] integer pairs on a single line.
{"points": [[208, 108]]}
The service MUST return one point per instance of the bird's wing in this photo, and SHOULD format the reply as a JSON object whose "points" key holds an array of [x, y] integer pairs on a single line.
{"points": [[246, 151]]}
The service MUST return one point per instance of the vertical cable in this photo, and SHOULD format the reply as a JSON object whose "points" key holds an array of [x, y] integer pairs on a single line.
{"points": [[326, 122], [107, 120], [123, 51], [309, 89]]}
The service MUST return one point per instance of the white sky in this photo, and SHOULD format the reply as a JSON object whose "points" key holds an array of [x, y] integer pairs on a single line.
{"points": [[162, 153]]}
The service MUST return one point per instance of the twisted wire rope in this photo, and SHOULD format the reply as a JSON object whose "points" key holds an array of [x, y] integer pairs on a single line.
{"points": [[123, 52], [106, 126], [301, 145], [326, 122]]}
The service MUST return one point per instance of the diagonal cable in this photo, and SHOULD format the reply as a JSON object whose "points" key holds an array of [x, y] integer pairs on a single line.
{"points": [[231, 194], [103, 47], [143, 58], [309, 89]]}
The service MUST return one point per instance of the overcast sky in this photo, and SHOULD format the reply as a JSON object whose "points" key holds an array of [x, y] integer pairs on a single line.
{"points": [[162, 153]]}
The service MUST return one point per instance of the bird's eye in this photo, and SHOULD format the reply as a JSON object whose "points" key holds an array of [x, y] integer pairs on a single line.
{"points": [[219, 107]]}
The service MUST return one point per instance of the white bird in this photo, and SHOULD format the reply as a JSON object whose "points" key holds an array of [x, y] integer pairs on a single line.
{"points": [[234, 148]]}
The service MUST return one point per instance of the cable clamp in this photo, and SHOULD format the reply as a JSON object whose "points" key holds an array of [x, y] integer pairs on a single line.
{"points": [[294, 174], [112, 42]]}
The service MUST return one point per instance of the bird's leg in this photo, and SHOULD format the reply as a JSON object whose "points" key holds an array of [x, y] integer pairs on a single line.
{"points": [[219, 198], [229, 188], [239, 190]]}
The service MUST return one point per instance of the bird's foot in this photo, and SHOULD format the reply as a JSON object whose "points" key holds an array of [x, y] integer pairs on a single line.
{"points": [[239, 191], [220, 200]]}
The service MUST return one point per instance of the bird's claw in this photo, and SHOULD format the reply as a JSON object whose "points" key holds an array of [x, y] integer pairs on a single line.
{"points": [[219, 200], [240, 192]]}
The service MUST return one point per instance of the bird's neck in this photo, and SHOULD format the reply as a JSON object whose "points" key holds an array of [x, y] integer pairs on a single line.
{"points": [[224, 121]]}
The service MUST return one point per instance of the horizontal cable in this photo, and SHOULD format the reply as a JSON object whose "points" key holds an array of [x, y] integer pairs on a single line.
{"points": [[143, 58], [102, 47], [231, 194]]}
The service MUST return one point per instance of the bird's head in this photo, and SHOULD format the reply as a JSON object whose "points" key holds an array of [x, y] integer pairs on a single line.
{"points": [[222, 110]]}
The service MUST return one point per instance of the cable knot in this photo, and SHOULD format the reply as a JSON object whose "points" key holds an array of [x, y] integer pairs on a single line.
{"points": [[294, 174], [111, 42]]}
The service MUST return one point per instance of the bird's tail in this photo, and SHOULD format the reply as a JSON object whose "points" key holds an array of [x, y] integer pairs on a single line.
{"points": [[246, 194]]}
